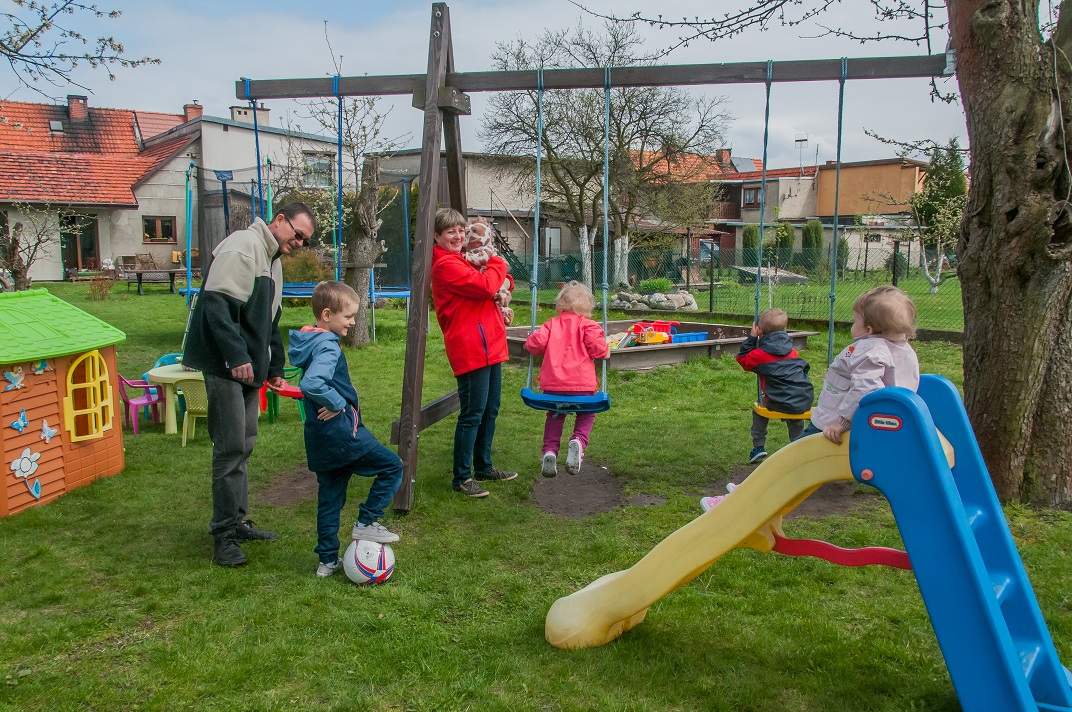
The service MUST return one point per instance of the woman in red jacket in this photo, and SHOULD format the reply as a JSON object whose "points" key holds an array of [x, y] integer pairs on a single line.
{"points": [[475, 339]]}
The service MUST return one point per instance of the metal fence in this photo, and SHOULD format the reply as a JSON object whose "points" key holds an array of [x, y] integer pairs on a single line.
{"points": [[796, 281]]}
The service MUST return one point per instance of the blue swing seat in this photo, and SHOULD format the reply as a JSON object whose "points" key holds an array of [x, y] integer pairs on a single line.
{"points": [[598, 403]]}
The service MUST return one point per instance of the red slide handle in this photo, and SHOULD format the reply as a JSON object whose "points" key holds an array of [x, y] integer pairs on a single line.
{"points": [[867, 556]]}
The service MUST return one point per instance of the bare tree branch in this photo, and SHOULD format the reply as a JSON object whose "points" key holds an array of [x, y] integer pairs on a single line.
{"points": [[40, 44]]}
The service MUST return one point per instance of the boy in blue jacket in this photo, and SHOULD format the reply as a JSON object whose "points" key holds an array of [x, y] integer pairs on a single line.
{"points": [[783, 377], [337, 444]]}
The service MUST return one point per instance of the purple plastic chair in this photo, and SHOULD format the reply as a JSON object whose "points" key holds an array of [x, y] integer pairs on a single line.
{"points": [[150, 398]]}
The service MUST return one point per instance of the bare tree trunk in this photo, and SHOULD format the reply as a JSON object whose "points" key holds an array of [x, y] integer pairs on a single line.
{"points": [[621, 260], [586, 255], [1015, 246], [20, 271], [363, 247]]}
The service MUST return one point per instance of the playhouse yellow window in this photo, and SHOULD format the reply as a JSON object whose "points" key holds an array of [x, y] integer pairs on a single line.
{"points": [[88, 404]]}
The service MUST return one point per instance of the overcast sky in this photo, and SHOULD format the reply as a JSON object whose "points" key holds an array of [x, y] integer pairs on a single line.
{"points": [[205, 45]]}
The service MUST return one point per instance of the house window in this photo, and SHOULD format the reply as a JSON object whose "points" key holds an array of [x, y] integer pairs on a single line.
{"points": [[872, 237], [750, 196], [88, 406], [317, 170], [158, 230]]}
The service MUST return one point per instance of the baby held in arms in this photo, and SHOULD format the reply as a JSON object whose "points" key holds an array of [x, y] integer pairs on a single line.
{"points": [[479, 248]]}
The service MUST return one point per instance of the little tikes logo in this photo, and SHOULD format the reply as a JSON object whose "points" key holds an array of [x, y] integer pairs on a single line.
{"points": [[884, 422]]}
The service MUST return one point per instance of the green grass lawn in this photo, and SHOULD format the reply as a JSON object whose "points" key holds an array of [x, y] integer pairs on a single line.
{"points": [[109, 599]]}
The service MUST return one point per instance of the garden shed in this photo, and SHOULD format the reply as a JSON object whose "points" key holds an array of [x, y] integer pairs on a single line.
{"points": [[59, 427]]}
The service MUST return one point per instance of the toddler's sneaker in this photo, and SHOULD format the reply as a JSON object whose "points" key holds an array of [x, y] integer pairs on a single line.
{"points": [[374, 532], [708, 503], [325, 570], [758, 454], [574, 455], [549, 464]]}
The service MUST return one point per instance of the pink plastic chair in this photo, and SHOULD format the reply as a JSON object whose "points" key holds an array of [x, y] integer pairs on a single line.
{"points": [[150, 398]]}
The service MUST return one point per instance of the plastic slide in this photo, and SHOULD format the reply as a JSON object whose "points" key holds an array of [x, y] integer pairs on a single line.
{"points": [[613, 604]]}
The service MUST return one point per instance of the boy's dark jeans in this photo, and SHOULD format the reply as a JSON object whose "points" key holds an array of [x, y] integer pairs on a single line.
{"points": [[331, 486], [479, 392], [759, 430], [232, 425]]}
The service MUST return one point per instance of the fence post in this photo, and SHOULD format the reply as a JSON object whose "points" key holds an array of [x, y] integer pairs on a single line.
{"points": [[711, 285], [896, 259]]}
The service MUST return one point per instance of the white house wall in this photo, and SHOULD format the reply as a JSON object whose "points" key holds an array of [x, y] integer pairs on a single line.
{"points": [[48, 265], [796, 198]]}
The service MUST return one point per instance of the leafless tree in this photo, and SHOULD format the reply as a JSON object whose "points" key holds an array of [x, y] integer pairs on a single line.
{"points": [[33, 236], [363, 142], [650, 129]]}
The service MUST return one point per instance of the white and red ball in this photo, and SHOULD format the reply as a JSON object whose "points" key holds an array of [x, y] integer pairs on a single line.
{"points": [[368, 562]]}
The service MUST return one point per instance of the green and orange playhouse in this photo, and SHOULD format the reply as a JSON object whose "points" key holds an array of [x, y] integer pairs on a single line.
{"points": [[59, 422]]}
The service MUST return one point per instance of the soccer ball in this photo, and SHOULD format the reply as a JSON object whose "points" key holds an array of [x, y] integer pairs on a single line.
{"points": [[368, 562]]}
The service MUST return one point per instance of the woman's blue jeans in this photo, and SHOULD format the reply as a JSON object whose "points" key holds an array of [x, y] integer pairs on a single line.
{"points": [[479, 392]]}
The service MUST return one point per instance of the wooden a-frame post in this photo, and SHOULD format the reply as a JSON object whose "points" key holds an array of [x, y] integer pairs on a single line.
{"points": [[442, 106]]}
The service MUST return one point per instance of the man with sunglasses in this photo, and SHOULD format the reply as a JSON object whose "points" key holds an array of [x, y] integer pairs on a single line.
{"points": [[234, 339]]}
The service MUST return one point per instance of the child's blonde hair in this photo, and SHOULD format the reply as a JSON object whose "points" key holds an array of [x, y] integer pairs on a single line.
{"points": [[334, 296], [773, 320], [887, 310], [446, 218], [577, 298]]}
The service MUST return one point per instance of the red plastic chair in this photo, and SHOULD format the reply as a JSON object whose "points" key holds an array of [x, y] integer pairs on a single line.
{"points": [[270, 398], [150, 398]]}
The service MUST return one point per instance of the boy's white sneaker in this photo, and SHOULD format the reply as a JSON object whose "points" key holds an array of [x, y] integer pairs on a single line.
{"points": [[549, 464], [574, 455], [374, 532], [325, 570]]}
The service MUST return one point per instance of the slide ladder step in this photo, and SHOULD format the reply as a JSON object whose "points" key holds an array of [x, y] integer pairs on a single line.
{"points": [[976, 520], [1003, 587], [1028, 651]]}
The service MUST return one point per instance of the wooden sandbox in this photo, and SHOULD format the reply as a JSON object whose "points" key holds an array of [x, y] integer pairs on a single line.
{"points": [[720, 339]]}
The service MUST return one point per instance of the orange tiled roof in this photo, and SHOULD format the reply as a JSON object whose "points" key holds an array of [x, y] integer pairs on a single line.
{"points": [[93, 162], [691, 166], [775, 172], [79, 178], [151, 123]]}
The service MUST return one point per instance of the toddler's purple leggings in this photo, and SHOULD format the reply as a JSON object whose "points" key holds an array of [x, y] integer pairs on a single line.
{"points": [[552, 427]]}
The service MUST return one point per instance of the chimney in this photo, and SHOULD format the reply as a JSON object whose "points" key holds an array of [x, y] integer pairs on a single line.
{"points": [[192, 111], [77, 108], [244, 114], [722, 158]]}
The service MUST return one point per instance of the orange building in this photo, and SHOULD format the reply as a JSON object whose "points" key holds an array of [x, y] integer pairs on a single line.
{"points": [[880, 187], [59, 412]]}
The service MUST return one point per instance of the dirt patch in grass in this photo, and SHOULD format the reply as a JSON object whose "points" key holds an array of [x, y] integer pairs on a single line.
{"points": [[288, 488], [831, 498], [596, 490], [593, 491]]}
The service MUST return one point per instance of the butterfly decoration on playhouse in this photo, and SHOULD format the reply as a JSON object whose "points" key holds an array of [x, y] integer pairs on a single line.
{"points": [[21, 423]]}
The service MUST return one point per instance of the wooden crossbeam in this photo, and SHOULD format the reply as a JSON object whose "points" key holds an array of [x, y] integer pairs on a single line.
{"points": [[431, 414], [808, 70]]}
